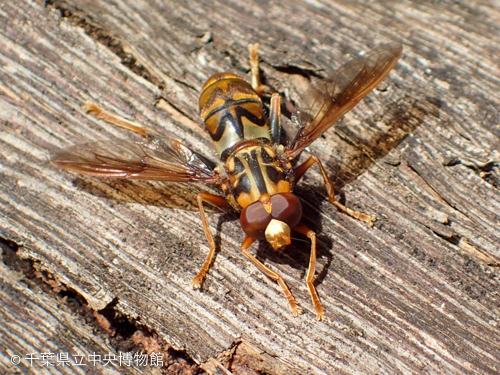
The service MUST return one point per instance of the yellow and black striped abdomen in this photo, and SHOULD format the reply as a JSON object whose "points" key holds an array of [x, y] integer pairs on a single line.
{"points": [[232, 112]]}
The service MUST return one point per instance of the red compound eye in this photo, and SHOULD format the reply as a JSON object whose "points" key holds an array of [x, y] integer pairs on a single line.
{"points": [[254, 220], [286, 207]]}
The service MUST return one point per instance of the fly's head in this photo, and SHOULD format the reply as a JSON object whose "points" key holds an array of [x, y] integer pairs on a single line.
{"points": [[272, 218]]}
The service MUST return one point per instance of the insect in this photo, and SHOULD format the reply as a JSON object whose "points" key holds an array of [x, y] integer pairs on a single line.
{"points": [[256, 173]]}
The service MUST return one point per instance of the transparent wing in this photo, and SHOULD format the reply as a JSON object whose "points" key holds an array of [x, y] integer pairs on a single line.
{"points": [[342, 91], [158, 158]]}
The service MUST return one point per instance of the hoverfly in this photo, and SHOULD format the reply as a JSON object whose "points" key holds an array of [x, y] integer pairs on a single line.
{"points": [[256, 173]]}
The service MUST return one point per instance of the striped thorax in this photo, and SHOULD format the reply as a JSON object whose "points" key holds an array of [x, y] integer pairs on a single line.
{"points": [[254, 170]]}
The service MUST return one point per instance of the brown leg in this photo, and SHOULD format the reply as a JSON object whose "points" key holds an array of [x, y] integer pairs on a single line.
{"points": [[301, 169], [216, 201], [302, 229], [296, 310], [118, 121], [254, 69]]}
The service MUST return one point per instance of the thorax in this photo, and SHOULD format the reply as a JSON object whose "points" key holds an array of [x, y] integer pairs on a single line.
{"points": [[254, 170]]}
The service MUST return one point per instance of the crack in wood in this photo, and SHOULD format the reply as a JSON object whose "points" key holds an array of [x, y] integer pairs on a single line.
{"points": [[488, 171], [243, 358], [103, 36], [124, 334], [431, 188]]}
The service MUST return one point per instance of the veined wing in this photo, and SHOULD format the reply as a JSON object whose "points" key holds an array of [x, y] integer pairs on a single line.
{"points": [[158, 158], [348, 85]]}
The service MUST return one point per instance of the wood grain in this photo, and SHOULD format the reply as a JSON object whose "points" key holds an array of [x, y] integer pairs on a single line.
{"points": [[417, 293]]}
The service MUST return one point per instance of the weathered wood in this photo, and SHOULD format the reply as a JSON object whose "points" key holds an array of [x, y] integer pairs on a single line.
{"points": [[417, 293], [34, 322]]}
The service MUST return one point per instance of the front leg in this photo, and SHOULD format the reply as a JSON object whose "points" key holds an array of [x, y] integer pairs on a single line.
{"points": [[302, 229], [296, 310], [216, 201], [301, 169]]}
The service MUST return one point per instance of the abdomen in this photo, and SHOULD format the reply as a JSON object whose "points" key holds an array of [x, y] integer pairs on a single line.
{"points": [[232, 112]]}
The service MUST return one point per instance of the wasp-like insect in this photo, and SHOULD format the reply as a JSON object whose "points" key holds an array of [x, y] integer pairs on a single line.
{"points": [[256, 172]]}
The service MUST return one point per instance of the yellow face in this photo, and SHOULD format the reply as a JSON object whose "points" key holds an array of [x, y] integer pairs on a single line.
{"points": [[278, 234]]}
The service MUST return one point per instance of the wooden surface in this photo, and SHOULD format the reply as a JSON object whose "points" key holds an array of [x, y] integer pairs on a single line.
{"points": [[105, 265]]}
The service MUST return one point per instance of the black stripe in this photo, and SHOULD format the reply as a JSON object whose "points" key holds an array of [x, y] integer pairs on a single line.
{"points": [[229, 103], [275, 175], [243, 112], [227, 121], [253, 164], [238, 166], [244, 185]]}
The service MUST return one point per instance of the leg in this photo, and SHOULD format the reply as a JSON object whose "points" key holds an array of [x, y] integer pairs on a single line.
{"points": [[302, 229], [296, 310], [254, 69], [275, 118], [216, 201], [118, 121], [301, 169], [260, 89]]}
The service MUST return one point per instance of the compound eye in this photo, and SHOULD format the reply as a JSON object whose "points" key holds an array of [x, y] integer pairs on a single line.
{"points": [[254, 220], [286, 207]]}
